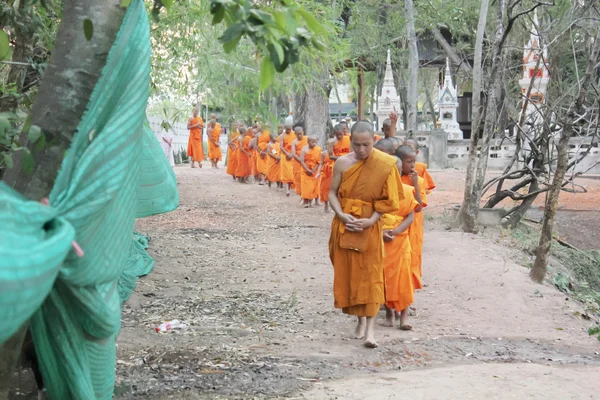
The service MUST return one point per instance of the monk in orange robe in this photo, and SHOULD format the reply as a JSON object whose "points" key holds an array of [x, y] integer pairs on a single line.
{"points": [[399, 291], [252, 147], [416, 230], [310, 159], [273, 161], [232, 156], [280, 131], [214, 142], [287, 166], [324, 175], [420, 167], [261, 154], [388, 128], [297, 146], [365, 185], [243, 163], [194, 150], [341, 143]]}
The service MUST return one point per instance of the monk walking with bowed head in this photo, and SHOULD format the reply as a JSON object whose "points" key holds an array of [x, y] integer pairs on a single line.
{"points": [[310, 158], [273, 161], [287, 166], [243, 164], [341, 142], [261, 154], [297, 146], [214, 142], [325, 174], [365, 185], [420, 167], [194, 150], [232, 152]]}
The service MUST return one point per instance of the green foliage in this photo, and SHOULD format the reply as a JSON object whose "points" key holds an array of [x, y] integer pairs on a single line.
{"points": [[88, 29], [11, 125], [4, 46]]}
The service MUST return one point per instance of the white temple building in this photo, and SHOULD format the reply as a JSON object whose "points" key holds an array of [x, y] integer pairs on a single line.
{"points": [[448, 106], [531, 53], [389, 98]]}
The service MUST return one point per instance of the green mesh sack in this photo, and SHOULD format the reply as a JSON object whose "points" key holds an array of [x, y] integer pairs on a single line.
{"points": [[107, 180]]}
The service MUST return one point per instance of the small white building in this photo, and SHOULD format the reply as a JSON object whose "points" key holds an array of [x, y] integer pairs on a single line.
{"points": [[448, 106], [388, 99]]}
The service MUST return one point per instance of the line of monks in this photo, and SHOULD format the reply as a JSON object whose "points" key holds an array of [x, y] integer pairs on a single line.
{"points": [[292, 160]]}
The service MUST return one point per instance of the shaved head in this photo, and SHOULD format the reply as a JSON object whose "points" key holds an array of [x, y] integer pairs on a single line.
{"points": [[242, 130], [287, 127], [362, 127], [412, 143], [386, 146], [405, 151], [338, 128]]}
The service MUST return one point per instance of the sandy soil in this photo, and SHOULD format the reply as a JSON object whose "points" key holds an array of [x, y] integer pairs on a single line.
{"points": [[248, 270]]}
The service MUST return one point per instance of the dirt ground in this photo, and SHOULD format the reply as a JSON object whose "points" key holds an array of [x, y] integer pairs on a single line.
{"points": [[248, 270]]}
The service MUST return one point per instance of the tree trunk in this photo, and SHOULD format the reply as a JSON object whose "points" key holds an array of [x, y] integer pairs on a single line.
{"points": [[451, 53], [311, 108], [467, 214], [538, 272], [413, 68], [73, 70], [431, 107], [361, 94]]}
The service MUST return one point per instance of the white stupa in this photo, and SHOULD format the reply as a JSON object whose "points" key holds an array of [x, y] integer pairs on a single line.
{"points": [[389, 96], [531, 53], [448, 106]]}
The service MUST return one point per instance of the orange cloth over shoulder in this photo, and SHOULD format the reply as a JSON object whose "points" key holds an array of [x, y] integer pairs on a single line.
{"points": [[399, 291], [194, 148], [253, 170], [342, 147], [421, 169], [273, 166], [310, 183], [369, 185], [297, 166], [262, 143], [416, 233], [243, 167], [287, 166], [232, 153], [326, 175], [214, 150]]}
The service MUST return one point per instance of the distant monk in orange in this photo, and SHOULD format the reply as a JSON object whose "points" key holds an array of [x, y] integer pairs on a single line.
{"points": [[261, 154], [194, 150], [232, 149], [411, 178], [325, 174], [252, 147], [420, 167], [297, 147], [243, 167], [365, 185], [273, 161], [341, 143], [287, 160], [214, 142], [399, 291], [310, 159]]}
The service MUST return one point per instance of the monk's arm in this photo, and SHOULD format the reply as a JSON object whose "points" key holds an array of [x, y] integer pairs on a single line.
{"points": [[293, 154], [418, 196], [334, 202], [282, 147], [302, 161], [404, 224]]}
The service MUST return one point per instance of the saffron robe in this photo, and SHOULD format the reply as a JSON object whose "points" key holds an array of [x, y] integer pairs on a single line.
{"points": [[253, 170], [194, 149], [297, 166], [399, 291], [262, 143], [273, 166], [243, 167], [326, 175], [421, 169], [342, 147], [415, 234], [232, 154], [369, 185], [287, 166], [310, 183], [214, 150]]}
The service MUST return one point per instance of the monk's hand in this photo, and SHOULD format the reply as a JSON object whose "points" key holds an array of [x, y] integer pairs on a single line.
{"points": [[317, 176], [363, 223], [388, 236], [414, 177], [349, 221], [309, 173], [289, 158]]}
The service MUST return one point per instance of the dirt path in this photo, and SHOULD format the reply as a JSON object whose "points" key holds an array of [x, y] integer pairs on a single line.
{"points": [[248, 270]]}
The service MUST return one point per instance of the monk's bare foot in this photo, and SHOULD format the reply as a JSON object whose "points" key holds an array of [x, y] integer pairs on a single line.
{"points": [[370, 343], [402, 317], [389, 318], [412, 311], [405, 327], [361, 326], [288, 194]]}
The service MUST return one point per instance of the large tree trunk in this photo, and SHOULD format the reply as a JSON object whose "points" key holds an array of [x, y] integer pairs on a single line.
{"points": [[74, 68], [311, 108], [538, 272], [413, 68], [467, 214]]}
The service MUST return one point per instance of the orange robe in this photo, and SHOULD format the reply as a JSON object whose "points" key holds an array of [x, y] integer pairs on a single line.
{"points": [[297, 166], [273, 166], [310, 184], [232, 154], [326, 175], [342, 147], [399, 291], [214, 150], [357, 257], [243, 167], [262, 143], [253, 170], [194, 148], [421, 169], [415, 234], [376, 138], [287, 166]]}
